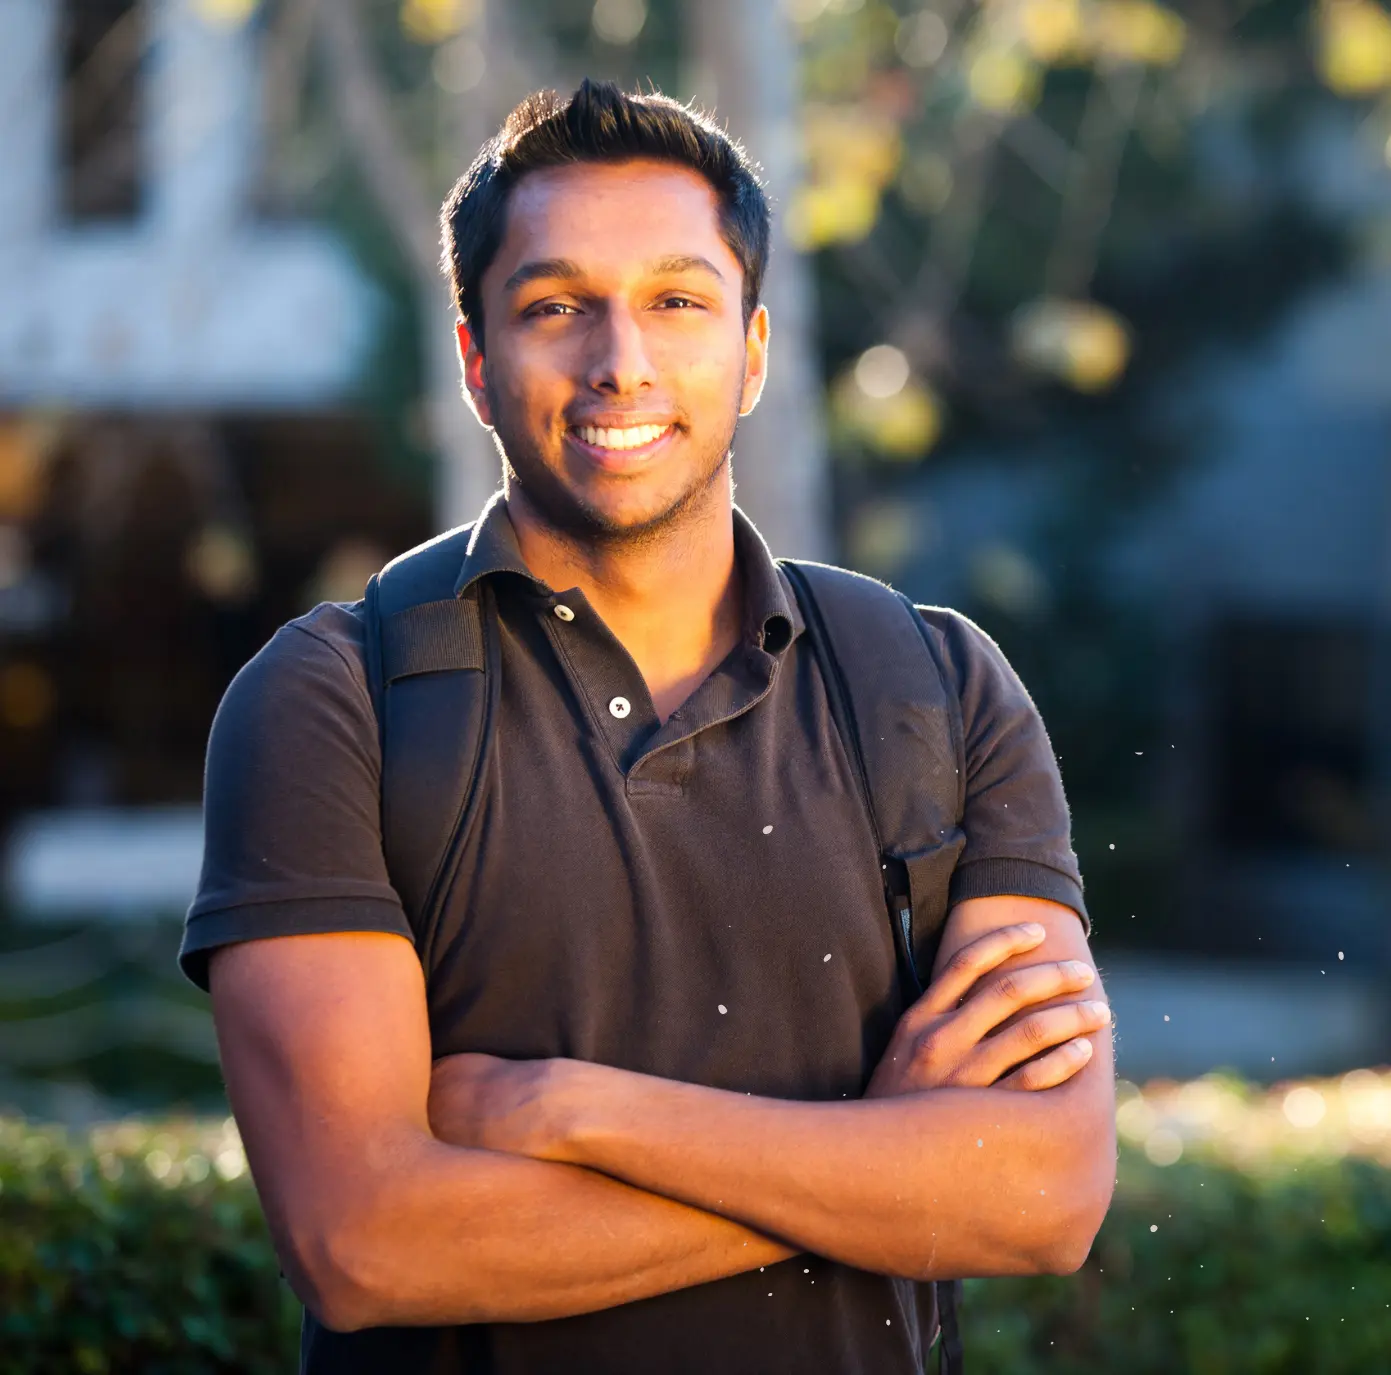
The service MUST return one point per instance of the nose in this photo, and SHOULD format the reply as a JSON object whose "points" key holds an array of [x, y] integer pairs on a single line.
{"points": [[620, 364]]}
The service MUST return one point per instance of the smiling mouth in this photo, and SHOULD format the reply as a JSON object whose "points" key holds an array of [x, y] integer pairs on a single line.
{"points": [[620, 440]]}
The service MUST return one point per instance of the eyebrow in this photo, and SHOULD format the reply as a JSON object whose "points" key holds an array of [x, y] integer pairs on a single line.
{"points": [[686, 262], [541, 268], [566, 269]]}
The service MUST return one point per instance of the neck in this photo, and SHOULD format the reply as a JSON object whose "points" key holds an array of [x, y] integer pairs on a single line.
{"points": [[671, 597]]}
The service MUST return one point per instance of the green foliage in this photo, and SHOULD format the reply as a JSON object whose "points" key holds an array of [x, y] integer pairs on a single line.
{"points": [[142, 1248], [1246, 1274], [131, 1252]]}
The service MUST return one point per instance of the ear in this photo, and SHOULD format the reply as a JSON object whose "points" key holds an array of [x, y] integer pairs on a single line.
{"points": [[474, 373], [755, 360]]}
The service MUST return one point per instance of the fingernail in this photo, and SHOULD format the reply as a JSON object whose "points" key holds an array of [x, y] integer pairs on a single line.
{"points": [[1081, 970], [1082, 1047], [1032, 928], [1099, 1009]]}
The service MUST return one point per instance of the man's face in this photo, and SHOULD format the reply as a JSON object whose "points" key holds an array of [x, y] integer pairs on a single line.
{"points": [[616, 361]]}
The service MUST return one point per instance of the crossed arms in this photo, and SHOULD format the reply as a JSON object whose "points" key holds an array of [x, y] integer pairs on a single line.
{"points": [[401, 1192]]}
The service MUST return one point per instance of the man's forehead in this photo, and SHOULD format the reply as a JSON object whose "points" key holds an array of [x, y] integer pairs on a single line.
{"points": [[604, 215]]}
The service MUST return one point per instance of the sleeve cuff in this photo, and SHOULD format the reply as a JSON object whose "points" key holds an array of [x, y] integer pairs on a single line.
{"points": [[1021, 878], [205, 932]]}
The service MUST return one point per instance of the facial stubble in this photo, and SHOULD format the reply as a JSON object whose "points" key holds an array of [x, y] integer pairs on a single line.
{"points": [[571, 516]]}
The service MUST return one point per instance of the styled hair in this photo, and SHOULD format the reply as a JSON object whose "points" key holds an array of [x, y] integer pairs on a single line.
{"points": [[602, 124]]}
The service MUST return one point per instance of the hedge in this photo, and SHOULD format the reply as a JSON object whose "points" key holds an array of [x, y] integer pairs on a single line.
{"points": [[138, 1250], [1259, 1247]]}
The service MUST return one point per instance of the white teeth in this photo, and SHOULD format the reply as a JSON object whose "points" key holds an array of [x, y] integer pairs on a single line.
{"points": [[634, 438]]}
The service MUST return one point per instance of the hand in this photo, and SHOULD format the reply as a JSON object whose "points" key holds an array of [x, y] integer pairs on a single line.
{"points": [[491, 1104], [945, 1039]]}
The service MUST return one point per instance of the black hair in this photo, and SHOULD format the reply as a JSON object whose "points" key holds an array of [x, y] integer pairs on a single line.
{"points": [[599, 123]]}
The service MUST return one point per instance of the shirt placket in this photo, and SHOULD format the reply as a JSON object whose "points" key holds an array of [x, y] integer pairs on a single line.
{"points": [[602, 674], [652, 756]]}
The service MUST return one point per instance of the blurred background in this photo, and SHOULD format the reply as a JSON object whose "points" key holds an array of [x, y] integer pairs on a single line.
{"points": [[1082, 324]]}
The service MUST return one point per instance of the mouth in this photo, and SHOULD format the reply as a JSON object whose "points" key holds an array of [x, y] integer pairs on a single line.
{"points": [[617, 449]]}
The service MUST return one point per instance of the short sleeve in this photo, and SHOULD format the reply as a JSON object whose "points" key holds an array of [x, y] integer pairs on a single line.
{"points": [[1015, 818], [291, 810]]}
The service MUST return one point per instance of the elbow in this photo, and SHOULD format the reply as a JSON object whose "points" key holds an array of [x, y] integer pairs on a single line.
{"points": [[1067, 1255], [336, 1268], [327, 1269], [1082, 1184], [1073, 1232]]}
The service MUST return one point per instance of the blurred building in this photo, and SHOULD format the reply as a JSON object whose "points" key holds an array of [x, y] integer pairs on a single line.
{"points": [[1265, 566], [183, 459]]}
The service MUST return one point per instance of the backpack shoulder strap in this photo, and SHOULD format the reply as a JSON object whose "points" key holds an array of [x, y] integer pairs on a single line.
{"points": [[899, 716], [900, 719], [432, 679]]}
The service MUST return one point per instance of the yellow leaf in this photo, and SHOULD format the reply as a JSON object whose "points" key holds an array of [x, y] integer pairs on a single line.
{"points": [[1139, 31], [1078, 342], [432, 21], [1354, 47], [824, 213], [1003, 81], [902, 426], [1053, 30]]}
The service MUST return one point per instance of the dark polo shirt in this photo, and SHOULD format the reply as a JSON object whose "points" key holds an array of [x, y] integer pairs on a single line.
{"points": [[698, 899]]}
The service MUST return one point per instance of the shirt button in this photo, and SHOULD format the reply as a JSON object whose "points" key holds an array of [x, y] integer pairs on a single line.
{"points": [[564, 612], [620, 707]]}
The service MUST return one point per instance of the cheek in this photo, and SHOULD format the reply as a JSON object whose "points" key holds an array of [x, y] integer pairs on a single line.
{"points": [[527, 392], [711, 369]]}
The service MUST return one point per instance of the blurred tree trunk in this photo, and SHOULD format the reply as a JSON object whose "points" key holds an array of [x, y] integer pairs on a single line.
{"points": [[743, 65], [468, 463]]}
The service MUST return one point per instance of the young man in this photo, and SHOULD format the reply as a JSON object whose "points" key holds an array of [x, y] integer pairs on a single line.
{"points": [[646, 1096]]}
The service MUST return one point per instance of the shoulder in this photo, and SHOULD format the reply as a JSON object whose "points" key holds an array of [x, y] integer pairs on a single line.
{"points": [[325, 645], [973, 662], [309, 675], [963, 643], [333, 628]]}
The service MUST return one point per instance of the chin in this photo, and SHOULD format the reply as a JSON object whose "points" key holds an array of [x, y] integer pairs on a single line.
{"points": [[630, 516], [611, 510]]}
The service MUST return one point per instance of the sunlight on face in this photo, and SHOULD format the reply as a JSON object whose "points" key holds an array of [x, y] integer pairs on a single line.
{"points": [[616, 358]]}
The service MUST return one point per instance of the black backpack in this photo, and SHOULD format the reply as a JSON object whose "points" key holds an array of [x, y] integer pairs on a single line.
{"points": [[433, 672]]}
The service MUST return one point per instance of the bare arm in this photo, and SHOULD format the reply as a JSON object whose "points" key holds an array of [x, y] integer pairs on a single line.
{"points": [[937, 1183], [326, 1052]]}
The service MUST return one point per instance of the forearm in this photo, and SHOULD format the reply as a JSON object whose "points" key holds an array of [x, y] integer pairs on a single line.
{"points": [[447, 1235], [946, 1183]]}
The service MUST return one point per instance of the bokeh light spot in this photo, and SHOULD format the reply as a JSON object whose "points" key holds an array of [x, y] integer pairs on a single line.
{"points": [[619, 22], [882, 371], [1304, 1107]]}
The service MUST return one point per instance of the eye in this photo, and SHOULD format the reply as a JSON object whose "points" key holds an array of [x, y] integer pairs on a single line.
{"points": [[548, 309], [679, 303]]}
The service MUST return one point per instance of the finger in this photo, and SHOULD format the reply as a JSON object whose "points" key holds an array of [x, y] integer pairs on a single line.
{"points": [[975, 959], [1016, 989], [1042, 1030], [1050, 1070]]}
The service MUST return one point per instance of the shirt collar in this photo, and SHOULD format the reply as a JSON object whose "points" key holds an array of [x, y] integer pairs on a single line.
{"points": [[493, 548], [772, 618]]}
